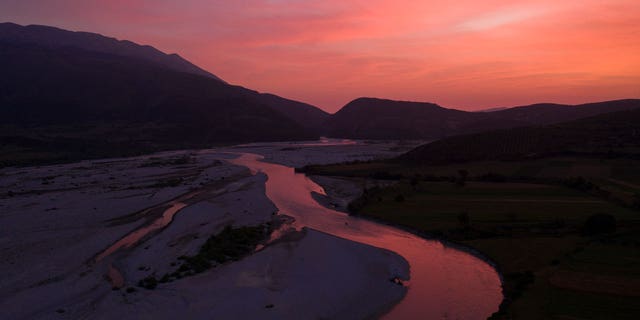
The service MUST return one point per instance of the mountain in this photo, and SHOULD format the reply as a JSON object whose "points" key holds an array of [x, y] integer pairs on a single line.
{"points": [[55, 38], [372, 118], [302, 113], [550, 113], [492, 109], [369, 118], [614, 134], [94, 98]]}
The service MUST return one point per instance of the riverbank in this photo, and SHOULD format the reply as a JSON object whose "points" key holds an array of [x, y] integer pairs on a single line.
{"points": [[328, 151], [64, 217], [534, 232], [341, 192], [444, 282], [309, 275]]}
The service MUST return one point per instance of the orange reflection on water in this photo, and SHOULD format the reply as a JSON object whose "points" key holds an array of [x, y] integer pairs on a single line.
{"points": [[446, 283], [133, 237]]}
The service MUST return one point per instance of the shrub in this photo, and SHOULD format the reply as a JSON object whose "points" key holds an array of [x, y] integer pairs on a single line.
{"points": [[599, 223], [415, 181], [148, 283], [464, 220], [360, 202], [229, 245], [462, 179], [492, 177], [384, 175]]}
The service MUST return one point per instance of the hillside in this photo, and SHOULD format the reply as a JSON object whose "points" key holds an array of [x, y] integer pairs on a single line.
{"points": [[304, 114], [55, 38], [60, 103], [369, 118], [550, 113], [611, 134]]}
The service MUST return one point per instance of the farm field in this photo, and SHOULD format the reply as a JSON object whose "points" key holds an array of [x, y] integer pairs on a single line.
{"points": [[531, 219]]}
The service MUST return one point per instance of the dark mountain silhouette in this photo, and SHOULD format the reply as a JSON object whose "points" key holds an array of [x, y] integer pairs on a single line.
{"points": [[550, 113], [79, 95], [304, 114], [85, 102], [53, 38], [369, 118], [615, 134], [492, 109]]}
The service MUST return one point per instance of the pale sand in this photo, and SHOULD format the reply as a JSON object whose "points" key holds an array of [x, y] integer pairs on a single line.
{"points": [[61, 217]]}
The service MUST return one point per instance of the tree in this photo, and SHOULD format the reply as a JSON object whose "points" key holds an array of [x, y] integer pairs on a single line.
{"points": [[599, 223], [415, 181], [462, 179], [464, 220]]}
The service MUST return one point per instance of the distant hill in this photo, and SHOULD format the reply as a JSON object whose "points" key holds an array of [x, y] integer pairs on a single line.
{"points": [[549, 113], [372, 118], [369, 118], [615, 134], [93, 99], [491, 109]]}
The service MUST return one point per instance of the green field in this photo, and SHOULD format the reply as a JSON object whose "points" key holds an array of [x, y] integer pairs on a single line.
{"points": [[435, 206], [531, 223], [618, 177], [624, 169]]}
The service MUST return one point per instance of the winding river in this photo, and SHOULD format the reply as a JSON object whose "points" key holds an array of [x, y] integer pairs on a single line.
{"points": [[446, 283]]}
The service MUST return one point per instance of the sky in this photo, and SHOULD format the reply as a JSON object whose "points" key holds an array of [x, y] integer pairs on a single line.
{"points": [[464, 54]]}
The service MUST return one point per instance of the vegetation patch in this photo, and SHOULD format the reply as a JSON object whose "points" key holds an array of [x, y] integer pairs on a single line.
{"points": [[564, 232], [161, 162], [169, 183], [149, 282], [231, 244]]}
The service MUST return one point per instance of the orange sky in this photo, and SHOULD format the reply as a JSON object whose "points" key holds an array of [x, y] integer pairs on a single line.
{"points": [[463, 54]]}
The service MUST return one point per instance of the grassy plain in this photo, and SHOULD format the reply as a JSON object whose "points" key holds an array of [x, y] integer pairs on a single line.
{"points": [[529, 217]]}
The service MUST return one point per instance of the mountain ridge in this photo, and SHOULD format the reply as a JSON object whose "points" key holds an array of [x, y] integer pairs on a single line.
{"points": [[54, 83], [371, 118], [56, 38], [612, 134], [65, 103]]}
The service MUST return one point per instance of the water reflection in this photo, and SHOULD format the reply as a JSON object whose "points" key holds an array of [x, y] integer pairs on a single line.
{"points": [[446, 283], [323, 142], [135, 236]]}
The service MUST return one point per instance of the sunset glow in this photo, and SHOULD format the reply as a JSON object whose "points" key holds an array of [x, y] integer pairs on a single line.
{"points": [[464, 54]]}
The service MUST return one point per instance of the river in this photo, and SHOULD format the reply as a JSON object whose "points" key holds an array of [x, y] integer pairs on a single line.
{"points": [[446, 283]]}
